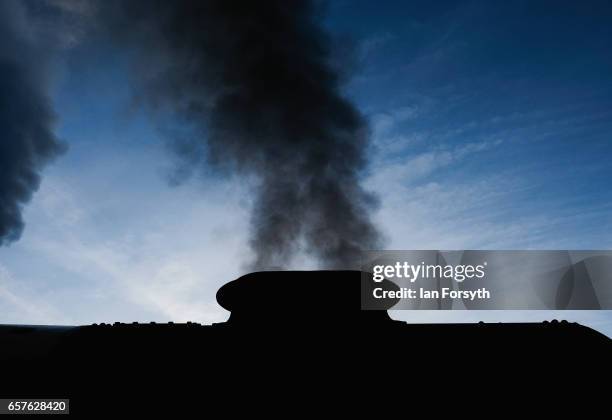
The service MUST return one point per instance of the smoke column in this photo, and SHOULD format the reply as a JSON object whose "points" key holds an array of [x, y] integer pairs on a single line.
{"points": [[27, 141], [256, 81]]}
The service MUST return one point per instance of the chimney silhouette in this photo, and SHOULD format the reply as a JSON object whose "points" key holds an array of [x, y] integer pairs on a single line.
{"points": [[306, 298]]}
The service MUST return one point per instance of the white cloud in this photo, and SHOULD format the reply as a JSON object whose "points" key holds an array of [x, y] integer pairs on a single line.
{"points": [[391, 174], [163, 262], [18, 305]]}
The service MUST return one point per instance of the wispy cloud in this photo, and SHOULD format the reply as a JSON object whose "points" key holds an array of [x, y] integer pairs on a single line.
{"points": [[430, 201], [20, 305], [164, 264], [393, 174], [375, 43]]}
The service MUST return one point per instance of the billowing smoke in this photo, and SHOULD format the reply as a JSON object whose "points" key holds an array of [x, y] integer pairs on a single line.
{"points": [[27, 141], [257, 82]]}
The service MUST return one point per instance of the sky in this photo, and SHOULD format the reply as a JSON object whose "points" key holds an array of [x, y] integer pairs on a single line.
{"points": [[490, 126]]}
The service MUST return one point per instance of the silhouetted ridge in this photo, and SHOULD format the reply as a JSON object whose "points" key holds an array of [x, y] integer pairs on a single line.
{"points": [[300, 333]]}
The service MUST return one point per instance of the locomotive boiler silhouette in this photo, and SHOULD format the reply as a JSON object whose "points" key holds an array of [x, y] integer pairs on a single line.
{"points": [[287, 329]]}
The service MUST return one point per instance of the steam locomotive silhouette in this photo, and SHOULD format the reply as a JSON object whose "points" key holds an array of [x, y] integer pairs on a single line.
{"points": [[291, 335]]}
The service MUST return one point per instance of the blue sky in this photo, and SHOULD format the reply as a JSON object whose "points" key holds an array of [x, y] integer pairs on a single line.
{"points": [[491, 125]]}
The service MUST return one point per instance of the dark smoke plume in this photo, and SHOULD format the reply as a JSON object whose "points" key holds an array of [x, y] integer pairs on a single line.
{"points": [[256, 80], [27, 141]]}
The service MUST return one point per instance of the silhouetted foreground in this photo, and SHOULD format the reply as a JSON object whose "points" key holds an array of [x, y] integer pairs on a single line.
{"points": [[291, 336]]}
